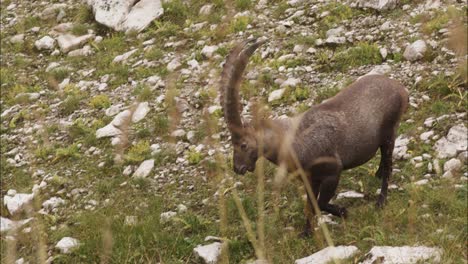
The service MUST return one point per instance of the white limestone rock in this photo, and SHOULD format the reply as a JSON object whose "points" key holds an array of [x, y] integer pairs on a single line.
{"points": [[125, 15], [125, 56], [167, 216], [85, 51], [140, 112], [113, 110], [276, 95], [421, 182], [108, 131], [426, 135], [208, 51], [453, 165], [335, 40], [144, 169], [209, 253], [401, 147], [379, 70], [402, 255], [378, 4], [69, 42], [173, 65], [7, 224], [45, 43], [349, 194], [290, 82], [53, 203], [179, 133], [17, 39], [141, 15], [415, 50], [456, 141], [122, 118], [329, 254], [67, 244], [15, 202]]}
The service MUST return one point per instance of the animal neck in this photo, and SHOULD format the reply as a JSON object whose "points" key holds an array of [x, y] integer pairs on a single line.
{"points": [[270, 139]]}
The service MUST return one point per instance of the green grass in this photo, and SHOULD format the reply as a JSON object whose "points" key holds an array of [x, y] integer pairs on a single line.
{"points": [[104, 236], [138, 152], [243, 4], [100, 101], [240, 24], [361, 54]]}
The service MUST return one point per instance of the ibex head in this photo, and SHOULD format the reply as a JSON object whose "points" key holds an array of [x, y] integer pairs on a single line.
{"points": [[243, 136]]}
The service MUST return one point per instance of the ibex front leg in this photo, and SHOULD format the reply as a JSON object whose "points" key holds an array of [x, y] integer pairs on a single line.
{"points": [[324, 176]]}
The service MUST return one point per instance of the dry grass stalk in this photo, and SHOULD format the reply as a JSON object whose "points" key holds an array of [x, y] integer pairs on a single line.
{"points": [[124, 136], [107, 242]]}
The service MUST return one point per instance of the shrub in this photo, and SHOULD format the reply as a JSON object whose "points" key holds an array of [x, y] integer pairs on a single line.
{"points": [[100, 101]]}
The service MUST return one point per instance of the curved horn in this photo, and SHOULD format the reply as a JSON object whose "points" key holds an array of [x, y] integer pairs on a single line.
{"points": [[231, 78]]}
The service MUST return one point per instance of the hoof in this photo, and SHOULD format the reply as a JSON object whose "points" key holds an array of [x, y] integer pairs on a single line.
{"points": [[305, 234], [380, 202], [343, 212]]}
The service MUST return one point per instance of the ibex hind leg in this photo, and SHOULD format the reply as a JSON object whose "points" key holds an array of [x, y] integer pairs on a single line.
{"points": [[385, 168]]}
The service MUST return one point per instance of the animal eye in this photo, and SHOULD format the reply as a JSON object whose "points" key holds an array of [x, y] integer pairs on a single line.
{"points": [[244, 146]]}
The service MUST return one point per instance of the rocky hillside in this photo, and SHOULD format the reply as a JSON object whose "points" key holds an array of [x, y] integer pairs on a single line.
{"points": [[114, 148]]}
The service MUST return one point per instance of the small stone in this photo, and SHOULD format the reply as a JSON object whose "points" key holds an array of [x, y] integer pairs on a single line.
{"points": [[453, 165], [125, 56], [166, 216], [130, 220], [349, 194], [405, 254], [378, 4], [128, 170], [290, 82], [122, 118], [447, 175], [17, 39], [456, 141], [112, 110], [108, 131], [208, 51], [69, 42], [329, 254], [379, 70], [422, 182], [144, 169], [66, 244], [45, 43], [179, 133], [140, 112], [463, 157], [7, 224], [53, 203], [426, 135], [276, 95], [415, 51], [206, 10], [209, 253], [16, 202], [181, 208], [383, 53], [173, 65]]}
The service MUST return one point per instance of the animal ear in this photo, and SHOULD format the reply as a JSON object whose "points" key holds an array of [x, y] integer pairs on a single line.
{"points": [[325, 166]]}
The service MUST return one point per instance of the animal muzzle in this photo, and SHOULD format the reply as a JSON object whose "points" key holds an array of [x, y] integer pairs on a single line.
{"points": [[240, 169]]}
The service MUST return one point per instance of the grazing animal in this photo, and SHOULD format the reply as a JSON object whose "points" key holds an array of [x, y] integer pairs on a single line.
{"points": [[341, 133]]}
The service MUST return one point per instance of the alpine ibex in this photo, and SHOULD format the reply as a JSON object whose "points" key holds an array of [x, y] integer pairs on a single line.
{"points": [[341, 133]]}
